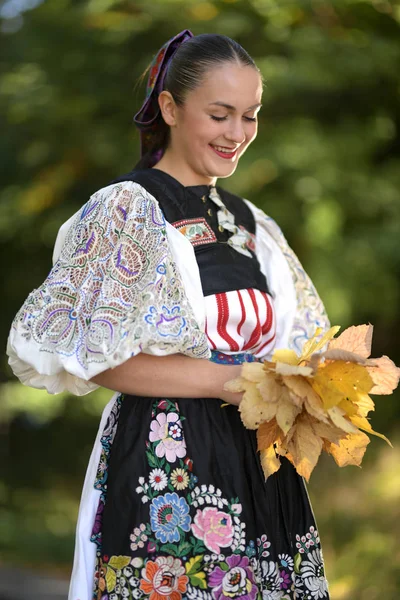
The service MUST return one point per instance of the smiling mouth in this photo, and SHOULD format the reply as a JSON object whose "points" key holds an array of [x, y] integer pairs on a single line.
{"points": [[224, 152]]}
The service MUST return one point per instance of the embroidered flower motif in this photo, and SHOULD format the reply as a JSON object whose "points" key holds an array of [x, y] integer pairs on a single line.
{"points": [[270, 578], [169, 514], [168, 322], [158, 479], [164, 578], [236, 508], [263, 545], [138, 537], [286, 561], [179, 479], [312, 571], [305, 542], [285, 580], [214, 527], [167, 429], [236, 582]]}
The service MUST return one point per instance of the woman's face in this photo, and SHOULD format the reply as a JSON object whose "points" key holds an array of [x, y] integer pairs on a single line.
{"points": [[216, 123]]}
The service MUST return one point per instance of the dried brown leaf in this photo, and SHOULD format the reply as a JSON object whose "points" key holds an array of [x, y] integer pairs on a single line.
{"points": [[338, 418], [269, 461], [286, 413], [235, 385], [271, 389], [355, 339], [346, 356], [385, 376], [285, 369], [254, 372], [253, 409], [304, 447], [267, 434], [350, 450], [328, 432]]}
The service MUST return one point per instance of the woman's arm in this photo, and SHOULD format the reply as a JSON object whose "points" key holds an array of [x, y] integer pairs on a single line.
{"points": [[175, 376]]}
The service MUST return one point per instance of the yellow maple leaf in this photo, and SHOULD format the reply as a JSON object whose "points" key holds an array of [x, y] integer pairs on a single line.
{"points": [[304, 447], [338, 380], [253, 409], [254, 371], [272, 389], [364, 405], [350, 450], [235, 385], [338, 418], [269, 461], [349, 407], [288, 357], [314, 344], [364, 424], [286, 413]]}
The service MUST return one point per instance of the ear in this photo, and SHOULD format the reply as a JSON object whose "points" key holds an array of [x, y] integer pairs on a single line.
{"points": [[168, 108]]}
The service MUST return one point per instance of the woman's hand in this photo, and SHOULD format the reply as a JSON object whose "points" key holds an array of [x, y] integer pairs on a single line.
{"points": [[231, 372]]}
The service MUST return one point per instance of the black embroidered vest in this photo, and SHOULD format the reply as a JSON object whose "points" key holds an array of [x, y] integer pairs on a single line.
{"points": [[222, 268]]}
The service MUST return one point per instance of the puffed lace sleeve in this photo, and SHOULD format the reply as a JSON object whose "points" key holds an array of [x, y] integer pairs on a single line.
{"points": [[113, 292], [298, 307]]}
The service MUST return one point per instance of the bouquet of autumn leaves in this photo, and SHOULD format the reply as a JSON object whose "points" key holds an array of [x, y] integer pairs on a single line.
{"points": [[301, 405]]}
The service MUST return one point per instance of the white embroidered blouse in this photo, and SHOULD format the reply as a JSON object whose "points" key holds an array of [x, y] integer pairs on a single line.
{"points": [[120, 271]]}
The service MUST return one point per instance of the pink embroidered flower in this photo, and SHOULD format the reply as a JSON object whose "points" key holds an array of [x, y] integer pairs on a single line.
{"points": [[214, 527], [236, 508], [167, 429]]}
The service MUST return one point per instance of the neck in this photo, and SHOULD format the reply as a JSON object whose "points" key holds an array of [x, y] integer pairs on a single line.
{"points": [[180, 170]]}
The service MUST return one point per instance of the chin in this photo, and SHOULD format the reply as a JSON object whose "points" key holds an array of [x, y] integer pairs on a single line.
{"points": [[220, 172], [228, 171]]}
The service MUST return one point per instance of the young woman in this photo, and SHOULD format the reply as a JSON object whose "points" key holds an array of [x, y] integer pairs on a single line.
{"points": [[163, 285]]}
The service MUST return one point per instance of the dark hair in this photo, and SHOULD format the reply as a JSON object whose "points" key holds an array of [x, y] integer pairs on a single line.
{"points": [[187, 69]]}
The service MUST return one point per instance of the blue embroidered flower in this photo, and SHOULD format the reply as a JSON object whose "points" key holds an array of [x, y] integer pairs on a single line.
{"points": [[169, 322], [168, 514]]}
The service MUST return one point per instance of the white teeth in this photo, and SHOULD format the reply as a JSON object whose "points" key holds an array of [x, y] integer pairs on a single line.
{"points": [[224, 150]]}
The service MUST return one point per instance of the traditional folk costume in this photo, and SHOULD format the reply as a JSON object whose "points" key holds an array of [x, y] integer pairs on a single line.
{"points": [[175, 504]]}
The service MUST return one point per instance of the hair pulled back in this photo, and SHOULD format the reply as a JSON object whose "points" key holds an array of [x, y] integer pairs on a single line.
{"points": [[187, 70]]}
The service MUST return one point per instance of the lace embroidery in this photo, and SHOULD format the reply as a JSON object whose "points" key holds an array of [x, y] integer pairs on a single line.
{"points": [[115, 289], [310, 311]]}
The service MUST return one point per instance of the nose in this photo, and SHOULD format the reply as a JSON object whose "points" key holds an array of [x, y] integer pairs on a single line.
{"points": [[235, 132]]}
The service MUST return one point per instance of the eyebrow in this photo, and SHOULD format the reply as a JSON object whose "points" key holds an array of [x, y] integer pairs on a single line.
{"points": [[230, 107]]}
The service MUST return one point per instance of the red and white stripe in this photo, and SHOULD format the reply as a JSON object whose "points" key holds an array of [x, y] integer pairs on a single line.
{"points": [[241, 321]]}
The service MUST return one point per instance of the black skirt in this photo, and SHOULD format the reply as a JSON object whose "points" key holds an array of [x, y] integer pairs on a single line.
{"points": [[185, 511]]}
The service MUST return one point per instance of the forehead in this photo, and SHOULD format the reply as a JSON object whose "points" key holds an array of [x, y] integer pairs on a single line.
{"points": [[237, 85]]}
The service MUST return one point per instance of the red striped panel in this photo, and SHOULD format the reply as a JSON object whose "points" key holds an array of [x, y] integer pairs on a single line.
{"points": [[256, 335], [242, 320], [223, 317]]}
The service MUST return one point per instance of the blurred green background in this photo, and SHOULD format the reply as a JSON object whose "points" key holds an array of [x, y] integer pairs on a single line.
{"points": [[325, 165]]}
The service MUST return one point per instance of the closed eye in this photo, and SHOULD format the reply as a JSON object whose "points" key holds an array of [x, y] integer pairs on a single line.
{"points": [[224, 118]]}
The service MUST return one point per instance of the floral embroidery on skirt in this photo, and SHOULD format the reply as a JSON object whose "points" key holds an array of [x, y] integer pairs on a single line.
{"points": [[165, 533]]}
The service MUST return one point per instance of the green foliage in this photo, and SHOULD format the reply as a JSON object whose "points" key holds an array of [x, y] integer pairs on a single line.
{"points": [[325, 165]]}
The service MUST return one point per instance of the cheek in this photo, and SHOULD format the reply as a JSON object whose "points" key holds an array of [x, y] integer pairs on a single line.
{"points": [[251, 132]]}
